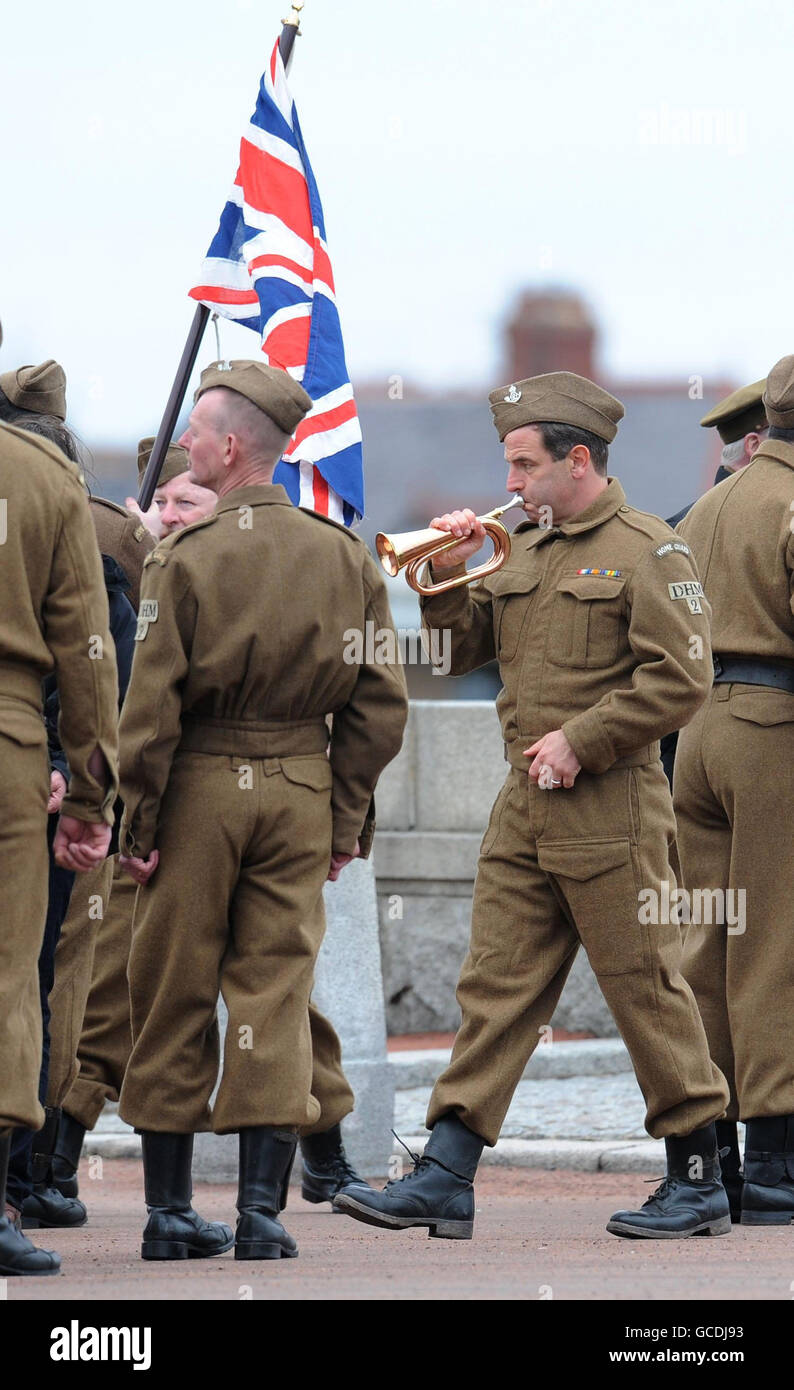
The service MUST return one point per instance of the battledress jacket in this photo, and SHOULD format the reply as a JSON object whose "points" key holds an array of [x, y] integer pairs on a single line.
{"points": [[245, 619], [54, 617], [742, 537], [600, 628]]}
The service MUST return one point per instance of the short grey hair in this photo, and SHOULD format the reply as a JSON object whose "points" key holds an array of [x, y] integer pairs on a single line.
{"points": [[261, 437]]}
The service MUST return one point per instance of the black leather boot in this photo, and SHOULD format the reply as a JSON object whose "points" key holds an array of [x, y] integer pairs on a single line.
{"points": [[691, 1200], [65, 1160], [17, 1254], [46, 1206], [730, 1165], [437, 1194], [266, 1158], [174, 1230], [327, 1169], [768, 1196]]}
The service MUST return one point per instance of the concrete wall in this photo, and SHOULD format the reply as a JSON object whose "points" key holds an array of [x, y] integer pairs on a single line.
{"points": [[433, 804]]}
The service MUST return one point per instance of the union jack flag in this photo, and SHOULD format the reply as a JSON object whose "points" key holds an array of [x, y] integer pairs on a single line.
{"points": [[268, 268]]}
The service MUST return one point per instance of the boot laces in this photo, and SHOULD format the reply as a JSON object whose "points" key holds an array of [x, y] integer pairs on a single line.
{"points": [[665, 1187], [668, 1185], [342, 1168], [418, 1160]]}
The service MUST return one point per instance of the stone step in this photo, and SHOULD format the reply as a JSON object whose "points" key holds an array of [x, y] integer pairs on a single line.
{"points": [[112, 1137], [545, 1109], [579, 1155], [551, 1060]]}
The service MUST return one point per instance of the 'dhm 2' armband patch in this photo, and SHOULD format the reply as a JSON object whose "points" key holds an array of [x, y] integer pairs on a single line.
{"points": [[690, 590], [147, 613]]}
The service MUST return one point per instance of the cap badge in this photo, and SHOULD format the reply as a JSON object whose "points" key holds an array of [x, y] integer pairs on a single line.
{"points": [[512, 396]]}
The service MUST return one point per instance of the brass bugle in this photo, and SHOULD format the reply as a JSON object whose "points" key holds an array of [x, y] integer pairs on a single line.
{"points": [[409, 550]]}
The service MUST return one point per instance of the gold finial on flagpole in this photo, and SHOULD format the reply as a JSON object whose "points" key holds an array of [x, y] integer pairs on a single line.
{"points": [[294, 16]]}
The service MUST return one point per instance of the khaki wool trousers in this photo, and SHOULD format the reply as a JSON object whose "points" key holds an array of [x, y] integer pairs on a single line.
{"points": [[105, 1042], [559, 868], [89, 905], [244, 851], [24, 866], [733, 787], [102, 1046]]}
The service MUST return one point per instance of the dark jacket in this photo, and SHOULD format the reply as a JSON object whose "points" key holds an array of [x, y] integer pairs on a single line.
{"points": [[122, 629]]}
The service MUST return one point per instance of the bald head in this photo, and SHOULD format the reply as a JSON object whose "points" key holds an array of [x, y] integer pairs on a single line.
{"points": [[231, 442]]}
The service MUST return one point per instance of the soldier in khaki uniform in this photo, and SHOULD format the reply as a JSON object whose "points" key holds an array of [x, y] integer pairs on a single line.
{"points": [[733, 799], [592, 620], [54, 614], [741, 423], [234, 814], [34, 398], [87, 1070]]}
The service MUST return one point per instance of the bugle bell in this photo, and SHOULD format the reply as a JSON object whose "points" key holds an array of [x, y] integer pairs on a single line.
{"points": [[409, 550]]}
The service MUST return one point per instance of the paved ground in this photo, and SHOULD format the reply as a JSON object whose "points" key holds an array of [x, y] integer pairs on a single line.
{"points": [[537, 1236]]}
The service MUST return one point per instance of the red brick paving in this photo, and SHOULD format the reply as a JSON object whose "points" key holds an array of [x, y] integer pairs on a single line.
{"points": [[537, 1235]]}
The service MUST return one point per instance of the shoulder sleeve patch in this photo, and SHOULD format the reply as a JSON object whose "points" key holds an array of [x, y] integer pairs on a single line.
{"points": [[156, 557], [672, 547]]}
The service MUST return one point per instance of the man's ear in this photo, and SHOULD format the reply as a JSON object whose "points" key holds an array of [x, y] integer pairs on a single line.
{"points": [[579, 457]]}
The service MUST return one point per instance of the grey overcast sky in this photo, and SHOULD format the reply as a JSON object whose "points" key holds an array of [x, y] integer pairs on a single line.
{"points": [[640, 153]]}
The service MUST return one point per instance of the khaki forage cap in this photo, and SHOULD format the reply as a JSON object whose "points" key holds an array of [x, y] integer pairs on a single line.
{"points": [[175, 462], [779, 394], [273, 390], [41, 389], [563, 397], [739, 414]]}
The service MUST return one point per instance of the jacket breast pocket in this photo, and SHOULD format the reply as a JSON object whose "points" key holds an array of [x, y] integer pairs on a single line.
{"points": [[587, 621], [512, 598]]}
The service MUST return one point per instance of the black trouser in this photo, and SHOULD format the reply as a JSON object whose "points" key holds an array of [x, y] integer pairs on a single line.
{"points": [[20, 1183]]}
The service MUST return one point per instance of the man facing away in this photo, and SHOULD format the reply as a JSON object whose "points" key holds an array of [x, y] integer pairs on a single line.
{"points": [[733, 799], [592, 619], [93, 1072], [54, 617], [234, 812]]}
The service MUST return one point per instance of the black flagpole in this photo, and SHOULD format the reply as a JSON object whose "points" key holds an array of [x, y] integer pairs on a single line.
{"points": [[289, 32]]}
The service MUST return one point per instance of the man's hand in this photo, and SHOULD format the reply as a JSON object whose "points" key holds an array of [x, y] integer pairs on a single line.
{"points": [[150, 519], [57, 791], [555, 763], [338, 862], [465, 525], [80, 844], [140, 869]]}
